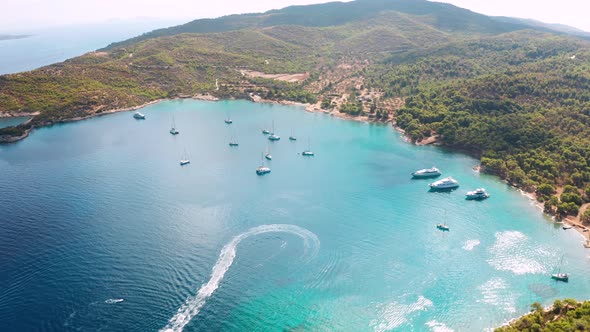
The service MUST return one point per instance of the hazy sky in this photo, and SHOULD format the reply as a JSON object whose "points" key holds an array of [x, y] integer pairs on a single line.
{"points": [[19, 14]]}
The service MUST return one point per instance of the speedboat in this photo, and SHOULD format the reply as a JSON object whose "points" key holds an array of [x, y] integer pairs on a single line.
{"points": [[443, 227], [228, 121], [261, 170], [477, 194], [139, 116], [446, 183], [427, 173], [560, 277]]}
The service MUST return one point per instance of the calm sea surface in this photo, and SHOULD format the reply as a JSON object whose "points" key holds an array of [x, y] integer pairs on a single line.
{"points": [[99, 211]]}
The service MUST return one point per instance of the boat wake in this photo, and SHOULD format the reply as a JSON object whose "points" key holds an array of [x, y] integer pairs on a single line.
{"points": [[193, 304]]}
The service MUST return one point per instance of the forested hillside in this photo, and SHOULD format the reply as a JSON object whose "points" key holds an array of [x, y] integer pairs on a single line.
{"points": [[567, 315]]}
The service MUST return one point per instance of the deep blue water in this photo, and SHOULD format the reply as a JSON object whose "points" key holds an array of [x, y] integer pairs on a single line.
{"points": [[100, 210]]}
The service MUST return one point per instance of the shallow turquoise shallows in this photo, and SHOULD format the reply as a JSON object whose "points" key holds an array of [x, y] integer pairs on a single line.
{"points": [[99, 211]]}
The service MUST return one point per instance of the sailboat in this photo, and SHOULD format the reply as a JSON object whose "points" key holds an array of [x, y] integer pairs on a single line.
{"points": [[443, 226], [233, 142], [184, 159], [308, 152], [228, 120], [268, 156], [173, 130], [261, 170], [138, 115], [265, 131], [292, 137], [273, 136], [559, 276]]}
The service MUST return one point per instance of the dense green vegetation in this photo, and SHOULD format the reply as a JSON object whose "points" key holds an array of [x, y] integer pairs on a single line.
{"points": [[566, 315], [524, 110], [438, 16]]}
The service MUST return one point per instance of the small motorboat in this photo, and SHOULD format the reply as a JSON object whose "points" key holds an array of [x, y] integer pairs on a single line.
{"points": [[477, 194]]}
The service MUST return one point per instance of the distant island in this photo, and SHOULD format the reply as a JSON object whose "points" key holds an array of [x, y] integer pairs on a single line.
{"points": [[8, 37], [514, 93]]}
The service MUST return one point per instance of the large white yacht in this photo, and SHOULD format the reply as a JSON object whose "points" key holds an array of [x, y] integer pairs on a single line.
{"points": [[446, 183], [427, 173]]}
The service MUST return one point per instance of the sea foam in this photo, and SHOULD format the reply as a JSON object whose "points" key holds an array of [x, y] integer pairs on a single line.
{"points": [[193, 305]]}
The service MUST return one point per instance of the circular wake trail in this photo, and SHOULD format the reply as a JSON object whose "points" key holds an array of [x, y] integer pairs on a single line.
{"points": [[228, 253]]}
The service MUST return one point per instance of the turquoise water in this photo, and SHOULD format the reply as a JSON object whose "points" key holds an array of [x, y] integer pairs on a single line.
{"points": [[13, 121], [100, 210]]}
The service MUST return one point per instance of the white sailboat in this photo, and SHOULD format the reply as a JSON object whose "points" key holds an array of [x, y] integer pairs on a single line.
{"points": [[443, 226], [261, 170], [173, 130], [560, 276], [273, 136], [184, 160], [228, 120], [308, 152], [268, 156]]}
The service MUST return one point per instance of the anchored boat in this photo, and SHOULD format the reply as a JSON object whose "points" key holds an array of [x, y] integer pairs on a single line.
{"points": [[477, 194], [427, 173], [446, 183]]}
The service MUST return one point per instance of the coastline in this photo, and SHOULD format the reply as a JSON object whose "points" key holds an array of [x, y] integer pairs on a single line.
{"points": [[312, 108], [7, 139], [575, 222]]}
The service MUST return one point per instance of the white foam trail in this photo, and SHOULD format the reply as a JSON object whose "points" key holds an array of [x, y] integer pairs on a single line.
{"points": [[193, 304]]}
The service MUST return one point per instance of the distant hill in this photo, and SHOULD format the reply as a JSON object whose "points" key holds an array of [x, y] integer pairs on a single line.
{"points": [[550, 26], [441, 16]]}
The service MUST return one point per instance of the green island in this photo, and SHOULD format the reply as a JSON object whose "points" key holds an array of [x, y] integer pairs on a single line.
{"points": [[566, 315], [515, 93]]}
